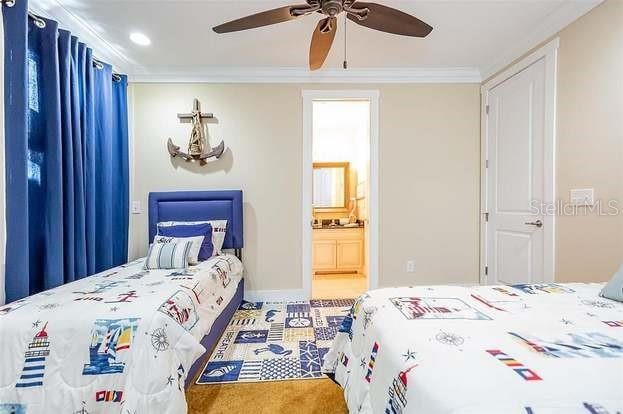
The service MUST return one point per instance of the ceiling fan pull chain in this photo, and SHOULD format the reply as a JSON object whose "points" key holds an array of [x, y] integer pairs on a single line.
{"points": [[345, 64]]}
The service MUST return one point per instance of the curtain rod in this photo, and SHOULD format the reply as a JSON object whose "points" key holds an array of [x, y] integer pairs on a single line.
{"points": [[40, 23]]}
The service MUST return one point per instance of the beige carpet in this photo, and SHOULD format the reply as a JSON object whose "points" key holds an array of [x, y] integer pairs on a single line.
{"points": [[320, 396]]}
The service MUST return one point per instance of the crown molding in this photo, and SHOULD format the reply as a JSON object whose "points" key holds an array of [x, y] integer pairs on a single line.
{"points": [[303, 75], [567, 13], [102, 49]]}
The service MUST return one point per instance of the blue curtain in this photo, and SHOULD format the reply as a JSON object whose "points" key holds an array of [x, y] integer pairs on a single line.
{"points": [[15, 19], [121, 169], [66, 158]]}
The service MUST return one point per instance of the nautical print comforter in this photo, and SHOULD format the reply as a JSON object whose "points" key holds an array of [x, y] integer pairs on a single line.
{"points": [[531, 349], [117, 342]]}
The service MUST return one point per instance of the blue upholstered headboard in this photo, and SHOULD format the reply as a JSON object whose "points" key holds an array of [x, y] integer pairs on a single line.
{"points": [[199, 206]]}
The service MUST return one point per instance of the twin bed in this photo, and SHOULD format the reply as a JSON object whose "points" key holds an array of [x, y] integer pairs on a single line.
{"points": [[531, 349], [125, 340]]}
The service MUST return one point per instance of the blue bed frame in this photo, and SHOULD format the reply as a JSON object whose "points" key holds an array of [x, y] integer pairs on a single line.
{"points": [[201, 206]]}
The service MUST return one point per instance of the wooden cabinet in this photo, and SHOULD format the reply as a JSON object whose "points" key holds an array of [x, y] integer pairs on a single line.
{"points": [[325, 255], [338, 250], [349, 254]]}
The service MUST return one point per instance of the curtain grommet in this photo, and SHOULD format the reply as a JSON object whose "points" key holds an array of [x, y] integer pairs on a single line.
{"points": [[39, 22]]}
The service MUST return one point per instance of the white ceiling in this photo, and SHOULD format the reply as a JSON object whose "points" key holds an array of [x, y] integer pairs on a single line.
{"points": [[470, 37]]}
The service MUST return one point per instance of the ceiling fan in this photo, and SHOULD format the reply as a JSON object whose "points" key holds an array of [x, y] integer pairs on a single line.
{"points": [[371, 15]]}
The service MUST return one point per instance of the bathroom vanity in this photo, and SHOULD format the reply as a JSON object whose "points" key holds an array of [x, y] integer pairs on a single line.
{"points": [[338, 249]]}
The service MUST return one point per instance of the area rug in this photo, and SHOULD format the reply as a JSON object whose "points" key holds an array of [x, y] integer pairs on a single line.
{"points": [[275, 341]]}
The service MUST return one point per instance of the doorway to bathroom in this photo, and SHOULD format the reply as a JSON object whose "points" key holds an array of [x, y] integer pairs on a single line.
{"points": [[339, 193]]}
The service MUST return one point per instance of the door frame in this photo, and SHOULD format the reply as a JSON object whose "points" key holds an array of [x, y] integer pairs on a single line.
{"points": [[549, 53], [373, 203]]}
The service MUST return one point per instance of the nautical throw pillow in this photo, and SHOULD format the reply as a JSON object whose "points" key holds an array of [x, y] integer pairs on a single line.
{"points": [[195, 245], [191, 230], [219, 229], [614, 289], [168, 256]]}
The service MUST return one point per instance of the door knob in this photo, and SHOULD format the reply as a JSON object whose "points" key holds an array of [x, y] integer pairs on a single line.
{"points": [[537, 223]]}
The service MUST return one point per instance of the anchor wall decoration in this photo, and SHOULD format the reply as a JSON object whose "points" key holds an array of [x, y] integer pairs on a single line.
{"points": [[197, 145]]}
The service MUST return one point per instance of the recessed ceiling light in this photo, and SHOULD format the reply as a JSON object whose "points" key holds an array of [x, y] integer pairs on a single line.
{"points": [[140, 39]]}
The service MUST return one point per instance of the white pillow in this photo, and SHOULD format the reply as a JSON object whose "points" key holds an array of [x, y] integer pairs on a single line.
{"points": [[614, 289], [219, 229], [195, 245]]}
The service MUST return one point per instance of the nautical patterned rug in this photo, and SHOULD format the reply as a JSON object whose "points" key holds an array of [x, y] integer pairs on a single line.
{"points": [[274, 341]]}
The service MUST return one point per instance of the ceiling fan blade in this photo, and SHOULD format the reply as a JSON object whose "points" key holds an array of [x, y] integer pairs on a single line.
{"points": [[322, 40], [266, 18], [390, 20]]}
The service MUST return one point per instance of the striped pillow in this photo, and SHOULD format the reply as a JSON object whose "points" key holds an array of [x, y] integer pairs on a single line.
{"points": [[168, 255], [195, 245]]}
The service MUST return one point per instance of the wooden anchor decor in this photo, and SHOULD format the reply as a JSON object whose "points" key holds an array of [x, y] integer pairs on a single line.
{"points": [[197, 146]]}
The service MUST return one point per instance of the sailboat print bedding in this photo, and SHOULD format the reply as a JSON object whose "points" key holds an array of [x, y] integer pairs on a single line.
{"points": [[531, 349], [117, 342]]}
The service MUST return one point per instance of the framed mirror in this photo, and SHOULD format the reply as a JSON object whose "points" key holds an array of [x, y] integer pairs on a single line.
{"points": [[330, 186]]}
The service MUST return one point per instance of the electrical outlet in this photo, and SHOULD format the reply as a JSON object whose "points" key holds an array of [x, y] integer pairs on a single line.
{"points": [[136, 207], [582, 196], [410, 266]]}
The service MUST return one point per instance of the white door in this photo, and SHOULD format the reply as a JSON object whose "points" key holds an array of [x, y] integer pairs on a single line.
{"points": [[516, 227]]}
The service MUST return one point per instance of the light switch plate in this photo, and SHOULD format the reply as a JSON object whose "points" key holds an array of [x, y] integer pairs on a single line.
{"points": [[582, 196], [410, 266], [136, 207]]}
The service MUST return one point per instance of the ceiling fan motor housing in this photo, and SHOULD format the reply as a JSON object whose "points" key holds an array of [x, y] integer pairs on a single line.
{"points": [[332, 7]]}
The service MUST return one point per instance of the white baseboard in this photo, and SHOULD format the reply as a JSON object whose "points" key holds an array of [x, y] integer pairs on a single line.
{"points": [[275, 295]]}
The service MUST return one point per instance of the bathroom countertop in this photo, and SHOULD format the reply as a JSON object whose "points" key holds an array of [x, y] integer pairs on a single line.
{"points": [[337, 227]]}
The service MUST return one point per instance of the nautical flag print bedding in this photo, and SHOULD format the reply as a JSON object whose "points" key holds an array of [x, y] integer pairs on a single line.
{"points": [[120, 341], [531, 349]]}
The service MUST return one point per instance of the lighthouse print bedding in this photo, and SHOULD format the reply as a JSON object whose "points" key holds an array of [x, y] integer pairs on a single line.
{"points": [[120, 341], [530, 349]]}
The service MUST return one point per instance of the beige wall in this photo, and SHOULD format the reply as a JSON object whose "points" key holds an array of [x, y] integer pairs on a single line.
{"points": [[429, 173], [429, 184], [590, 141]]}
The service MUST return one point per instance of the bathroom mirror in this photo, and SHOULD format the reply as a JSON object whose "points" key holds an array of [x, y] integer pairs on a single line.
{"points": [[330, 187]]}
